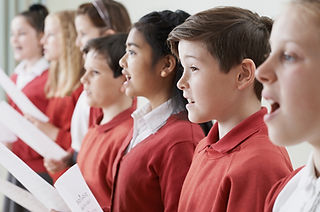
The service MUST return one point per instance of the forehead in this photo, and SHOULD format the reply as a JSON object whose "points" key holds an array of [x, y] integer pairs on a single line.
{"points": [[136, 37], [20, 21], [193, 50], [296, 25], [83, 20], [52, 22]]}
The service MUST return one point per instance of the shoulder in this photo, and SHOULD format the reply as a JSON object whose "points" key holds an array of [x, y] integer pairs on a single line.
{"points": [[180, 130], [276, 189]]}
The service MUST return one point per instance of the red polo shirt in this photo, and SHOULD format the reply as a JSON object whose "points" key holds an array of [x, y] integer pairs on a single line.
{"points": [[236, 172], [149, 177], [98, 152], [60, 111], [34, 90]]}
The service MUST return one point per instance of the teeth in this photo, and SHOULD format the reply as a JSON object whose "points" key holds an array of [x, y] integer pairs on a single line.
{"points": [[268, 103]]}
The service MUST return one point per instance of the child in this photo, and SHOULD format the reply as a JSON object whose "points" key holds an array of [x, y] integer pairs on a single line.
{"points": [[90, 25], [63, 86], [235, 165], [103, 86], [30, 77], [290, 77], [152, 163]]}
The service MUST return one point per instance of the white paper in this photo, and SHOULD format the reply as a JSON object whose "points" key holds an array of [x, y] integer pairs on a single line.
{"points": [[22, 197], [42, 190], [6, 136], [21, 100], [75, 192], [29, 133]]}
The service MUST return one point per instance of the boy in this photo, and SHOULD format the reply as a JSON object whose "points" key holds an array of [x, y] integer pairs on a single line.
{"points": [[235, 165]]}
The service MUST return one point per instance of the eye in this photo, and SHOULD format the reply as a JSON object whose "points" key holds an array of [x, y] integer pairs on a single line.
{"points": [[130, 52], [193, 69], [95, 72], [288, 57]]}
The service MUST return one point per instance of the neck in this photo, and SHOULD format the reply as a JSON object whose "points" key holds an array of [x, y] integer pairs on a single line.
{"points": [[31, 61], [237, 114], [113, 110], [158, 99]]}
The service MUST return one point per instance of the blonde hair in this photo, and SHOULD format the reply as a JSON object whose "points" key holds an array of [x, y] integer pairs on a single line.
{"points": [[65, 73]]}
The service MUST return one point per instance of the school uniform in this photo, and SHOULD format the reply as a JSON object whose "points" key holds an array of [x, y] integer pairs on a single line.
{"points": [[60, 111], [31, 83], [153, 161], [236, 172], [300, 191], [98, 152]]}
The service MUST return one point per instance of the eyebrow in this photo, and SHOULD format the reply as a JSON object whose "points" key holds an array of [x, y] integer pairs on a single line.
{"points": [[133, 44], [191, 56]]}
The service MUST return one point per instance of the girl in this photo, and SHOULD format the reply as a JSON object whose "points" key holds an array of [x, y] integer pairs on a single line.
{"points": [[30, 77], [89, 24], [156, 155], [291, 84], [63, 86], [93, 20], [103, 86]]}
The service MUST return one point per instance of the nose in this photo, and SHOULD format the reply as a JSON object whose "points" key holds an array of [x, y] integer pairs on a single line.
{"points": [[84, 78], [123, 61], [43, 39], [266, 72], [78, 42], [183, 81]]}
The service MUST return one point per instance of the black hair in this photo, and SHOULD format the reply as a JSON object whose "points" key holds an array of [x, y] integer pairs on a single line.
{"points": [[155, 27], [111, 47], [35, 16]]}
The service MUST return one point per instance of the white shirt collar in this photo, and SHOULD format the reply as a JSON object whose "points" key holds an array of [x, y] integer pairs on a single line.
{"points": [[148, 121], [24, 77], [301, 193]]}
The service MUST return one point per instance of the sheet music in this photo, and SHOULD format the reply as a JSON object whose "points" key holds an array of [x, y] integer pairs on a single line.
{"points": [[22, 197], [75, 192], [30, 134], [6, 135], [21, 100], [42, 190]]}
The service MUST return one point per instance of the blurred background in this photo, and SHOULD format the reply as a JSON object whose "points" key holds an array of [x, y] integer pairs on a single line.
{"points": [[136, 8]]}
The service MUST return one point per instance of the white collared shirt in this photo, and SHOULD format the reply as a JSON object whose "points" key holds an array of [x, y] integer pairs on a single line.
{"points": [[147, 121], [302, 192], [25, 76]]}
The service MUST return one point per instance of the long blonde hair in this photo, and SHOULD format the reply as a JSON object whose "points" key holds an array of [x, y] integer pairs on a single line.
{"points": [[65, 73]]}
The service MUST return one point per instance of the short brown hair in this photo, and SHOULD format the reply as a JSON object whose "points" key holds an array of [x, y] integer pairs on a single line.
{"points": [[230, 34], [119, 16]]}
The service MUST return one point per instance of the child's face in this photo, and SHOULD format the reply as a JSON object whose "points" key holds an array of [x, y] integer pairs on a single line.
{"points": [[25, 40], [101, 88], [85, 30], [209, 91], [141, 76], [52, 39], [291, 79]]}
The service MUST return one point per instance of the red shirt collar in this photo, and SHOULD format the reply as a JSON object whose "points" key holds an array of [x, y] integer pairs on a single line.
{"points": [[237, 135], [124, 115]]}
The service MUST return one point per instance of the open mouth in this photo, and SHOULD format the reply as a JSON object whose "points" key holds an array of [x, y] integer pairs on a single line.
{"points": [[275, 106]]}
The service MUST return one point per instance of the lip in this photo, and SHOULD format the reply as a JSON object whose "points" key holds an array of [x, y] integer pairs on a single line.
{"points": [[274, 108]]}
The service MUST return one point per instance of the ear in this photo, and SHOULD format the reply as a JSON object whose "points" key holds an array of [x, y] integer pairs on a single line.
{"points": [[108, 32], [246, 74], [168, 65]]}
